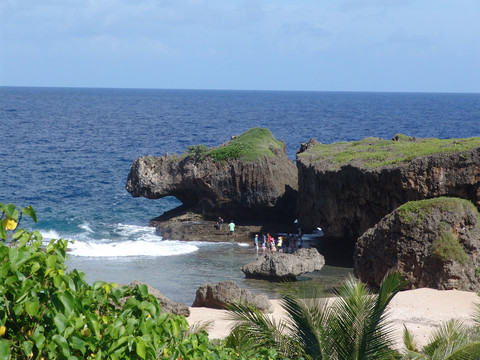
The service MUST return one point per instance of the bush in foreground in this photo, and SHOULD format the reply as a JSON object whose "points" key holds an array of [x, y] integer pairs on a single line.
{"points": [[46, 313]]}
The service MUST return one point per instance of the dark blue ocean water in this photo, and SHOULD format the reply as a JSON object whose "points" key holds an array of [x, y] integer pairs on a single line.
{"points": [[67, 152]]}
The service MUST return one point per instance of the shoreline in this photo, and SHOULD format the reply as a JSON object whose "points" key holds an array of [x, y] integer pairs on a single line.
{"points": [[420, 310]]}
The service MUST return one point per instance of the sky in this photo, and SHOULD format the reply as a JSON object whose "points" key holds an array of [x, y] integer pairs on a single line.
{"points": [[311, 45]]}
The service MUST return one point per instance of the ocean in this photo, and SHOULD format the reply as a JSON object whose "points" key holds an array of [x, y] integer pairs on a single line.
{"points": [[68, 151]]}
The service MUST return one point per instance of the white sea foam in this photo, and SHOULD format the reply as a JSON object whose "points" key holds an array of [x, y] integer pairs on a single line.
{"points": [[127, 240], [86, 226], [131, 248], [49, 235]]}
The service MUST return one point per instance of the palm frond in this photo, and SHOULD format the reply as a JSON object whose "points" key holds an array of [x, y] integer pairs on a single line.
{"points": [[351, 327], [469, 351], [306, 313], [267, 332], [357, 320], [241, 341], [409, 341], [445, 336], [476, 315], [377, 335], [199, 327], [453, 340]]}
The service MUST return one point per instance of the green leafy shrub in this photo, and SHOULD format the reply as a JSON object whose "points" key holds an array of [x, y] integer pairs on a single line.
{"points": [[46, 313], [197, 151]]}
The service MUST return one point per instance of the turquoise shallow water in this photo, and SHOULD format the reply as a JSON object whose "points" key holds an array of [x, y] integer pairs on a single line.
{"points": [[67, 152]]}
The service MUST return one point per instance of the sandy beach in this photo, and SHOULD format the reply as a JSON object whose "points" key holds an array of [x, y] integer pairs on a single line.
{"points": [[420, 310]]}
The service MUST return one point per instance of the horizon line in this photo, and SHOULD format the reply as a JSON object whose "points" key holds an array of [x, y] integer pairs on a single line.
{"points": [[235, 90]]}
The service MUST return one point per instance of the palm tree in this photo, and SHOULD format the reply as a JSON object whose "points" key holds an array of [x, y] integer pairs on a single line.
{"points": [[452, 341], [351, 326]]}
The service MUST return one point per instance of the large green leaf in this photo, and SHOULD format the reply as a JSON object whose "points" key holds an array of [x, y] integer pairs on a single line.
{"points": [[93, 324], [77, 344], [11, 211], [140, 347], [31, 307], [3, 233], [62, 344], [38, 337], [12, 256], [51, 261], [60, 322], [23, 255], [30, 212], [4, 349], [27, 347], [143, 290], [68, 302]]}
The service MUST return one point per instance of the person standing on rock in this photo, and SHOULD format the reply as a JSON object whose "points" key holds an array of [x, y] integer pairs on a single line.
{"points": [[231, 227], [264, 244], [219, 223], [256, 242], [270, 242], [280, 244]]}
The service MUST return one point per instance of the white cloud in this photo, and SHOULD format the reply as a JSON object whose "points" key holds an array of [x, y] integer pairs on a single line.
{"points": [[201, 36]]}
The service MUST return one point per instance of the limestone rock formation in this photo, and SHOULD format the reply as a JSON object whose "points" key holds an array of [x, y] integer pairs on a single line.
{"points": [[168, 305], [227, 292], [281, 266], [346, 188], [434, 243], [249, 178]]}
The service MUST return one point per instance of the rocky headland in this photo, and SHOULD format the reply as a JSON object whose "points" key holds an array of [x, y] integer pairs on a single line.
{"points": [[348, 187], [249, 179]]}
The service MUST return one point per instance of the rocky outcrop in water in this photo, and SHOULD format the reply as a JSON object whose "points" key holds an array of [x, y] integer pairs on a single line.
{"points": [[281, 266], [434, 243], [346, 188], [227, 292], [249, 178]]}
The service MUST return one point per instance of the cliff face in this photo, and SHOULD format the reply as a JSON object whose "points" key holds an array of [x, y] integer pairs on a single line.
{"points": [[433, 243], [263, 189], [346, 199]]}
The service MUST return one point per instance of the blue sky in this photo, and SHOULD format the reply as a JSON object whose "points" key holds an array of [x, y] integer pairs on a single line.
{"points": [[326, 45]]}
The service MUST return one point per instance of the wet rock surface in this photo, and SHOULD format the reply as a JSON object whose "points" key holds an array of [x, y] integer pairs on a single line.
{"points": [[217, 296], [281, 266]]}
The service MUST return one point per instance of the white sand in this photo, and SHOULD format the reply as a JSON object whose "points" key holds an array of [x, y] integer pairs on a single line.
{"points": [[420, 310]]}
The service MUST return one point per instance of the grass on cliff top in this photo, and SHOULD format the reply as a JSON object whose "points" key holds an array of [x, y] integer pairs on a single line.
{"points": [[249, 146], [375, 152], [415, 211]]}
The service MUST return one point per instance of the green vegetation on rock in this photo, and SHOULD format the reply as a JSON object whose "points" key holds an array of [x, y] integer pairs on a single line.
{"points": [[375, 152], [446, 246], [249, 146], [415, 211]]}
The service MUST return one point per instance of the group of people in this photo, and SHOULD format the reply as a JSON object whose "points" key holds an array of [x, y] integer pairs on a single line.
{"points": [[287, 244], [231, 225]]}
